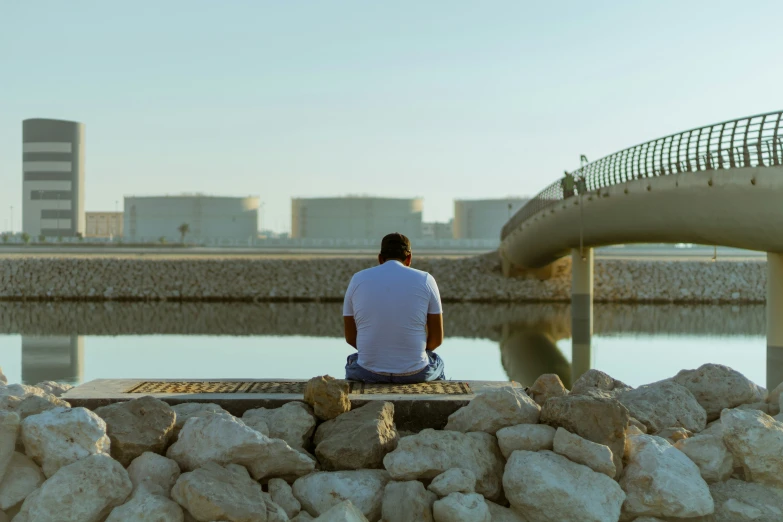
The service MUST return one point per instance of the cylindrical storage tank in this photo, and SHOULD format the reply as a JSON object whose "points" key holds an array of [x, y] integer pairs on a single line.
{"points": [[483, 218]]}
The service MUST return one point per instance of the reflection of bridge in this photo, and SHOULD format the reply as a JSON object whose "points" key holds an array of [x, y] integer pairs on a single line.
{"points": [[716, 185], [52, 358]]}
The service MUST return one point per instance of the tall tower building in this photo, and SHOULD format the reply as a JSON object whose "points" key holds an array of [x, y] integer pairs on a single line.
{"points": [[53, 183]]}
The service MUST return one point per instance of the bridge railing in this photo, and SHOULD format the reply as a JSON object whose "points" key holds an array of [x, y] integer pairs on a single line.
{"points": [[754, 141]]}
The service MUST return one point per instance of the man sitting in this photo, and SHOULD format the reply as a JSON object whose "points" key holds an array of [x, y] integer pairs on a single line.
{"points": [[394, 318]]}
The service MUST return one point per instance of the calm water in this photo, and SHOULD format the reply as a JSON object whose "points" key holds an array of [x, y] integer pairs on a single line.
{"points": [[636, 344]]}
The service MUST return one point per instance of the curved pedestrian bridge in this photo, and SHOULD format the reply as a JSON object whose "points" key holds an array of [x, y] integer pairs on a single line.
{"points": [[720, 184]]}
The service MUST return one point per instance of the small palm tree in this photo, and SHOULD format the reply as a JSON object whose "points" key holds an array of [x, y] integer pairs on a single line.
{"points": [[41, 238], [162, 240], [183, 229], [5, 238], [26, 238]]}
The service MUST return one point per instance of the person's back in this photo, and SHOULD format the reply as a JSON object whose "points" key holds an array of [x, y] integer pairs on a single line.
{"points": [[389, 311]]}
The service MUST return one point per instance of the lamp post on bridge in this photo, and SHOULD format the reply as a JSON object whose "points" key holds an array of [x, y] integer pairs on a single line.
{"points": [[582, 263]]}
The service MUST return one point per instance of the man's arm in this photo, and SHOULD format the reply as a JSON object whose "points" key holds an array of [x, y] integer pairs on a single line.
{"points": [[350, 330], [434, 330]]}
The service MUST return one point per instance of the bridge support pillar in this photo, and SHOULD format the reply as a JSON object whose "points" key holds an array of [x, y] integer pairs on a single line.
{"points": [[774, 319], [581, 310]]}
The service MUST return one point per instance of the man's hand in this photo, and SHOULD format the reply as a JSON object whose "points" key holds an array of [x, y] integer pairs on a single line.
{"points": [[350, 330], [434, 330]]}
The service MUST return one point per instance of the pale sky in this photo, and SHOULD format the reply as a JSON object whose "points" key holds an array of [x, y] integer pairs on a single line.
{"points": [[436, 99]]}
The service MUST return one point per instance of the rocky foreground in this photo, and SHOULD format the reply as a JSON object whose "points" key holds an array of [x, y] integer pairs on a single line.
{"points": [[700, 446]]}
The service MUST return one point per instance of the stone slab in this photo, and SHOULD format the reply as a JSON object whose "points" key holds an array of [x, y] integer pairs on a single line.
{"points": [[411, 412]]}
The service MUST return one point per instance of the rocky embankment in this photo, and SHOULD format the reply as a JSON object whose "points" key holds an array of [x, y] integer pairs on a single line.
{"points": [[469, 279], [700, 446]]}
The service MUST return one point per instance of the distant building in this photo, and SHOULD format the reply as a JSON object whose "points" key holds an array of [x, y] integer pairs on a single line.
{"points": [[483, 218], [53, 177], [437, 230], [209, 218], [355, 217], [103, 224]]}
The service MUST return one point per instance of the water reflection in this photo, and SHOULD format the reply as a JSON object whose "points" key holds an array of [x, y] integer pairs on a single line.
{"points": [[532, 337]]}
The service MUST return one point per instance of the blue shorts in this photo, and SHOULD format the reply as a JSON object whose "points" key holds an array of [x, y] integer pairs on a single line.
{"points": [[434, 371]]}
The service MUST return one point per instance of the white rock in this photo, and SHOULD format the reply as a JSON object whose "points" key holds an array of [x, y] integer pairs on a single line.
{"points": [[31, 404], [9, 432], [739, 501], [582, 451], [294, 422], [528, 437], [186, 410], [213, 492], [546, 386], [21, 391], [144, 506], [318, 492], [283, 496], [224, 440], [343, 512], [454, 480], [429, 453], [756, 440], [503, 514], [664, 404], [547, 487], [54, 388], [495, 409], [407, 501], [84, 491], [304, 516], [661, 481], [710, 454], [774, 397], [461, 507], [22, 478], [3, 378], [717, 387], [61, 436], [157, 473], [597, 383]]}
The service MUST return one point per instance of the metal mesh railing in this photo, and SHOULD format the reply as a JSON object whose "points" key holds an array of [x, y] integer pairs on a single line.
{"points": [[754, 141]]}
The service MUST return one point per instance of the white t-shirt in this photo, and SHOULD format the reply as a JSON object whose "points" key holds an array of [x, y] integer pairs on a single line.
{"points": [[389, 304]]}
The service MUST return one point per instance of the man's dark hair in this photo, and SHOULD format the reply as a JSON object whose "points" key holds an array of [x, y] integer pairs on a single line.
{"points": [[395, 246]]}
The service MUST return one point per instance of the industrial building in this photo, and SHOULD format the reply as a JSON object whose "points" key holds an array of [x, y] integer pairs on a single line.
{"points": [[483, 218], [103, 224], [53, 177], [208, 218], [355, 217]]}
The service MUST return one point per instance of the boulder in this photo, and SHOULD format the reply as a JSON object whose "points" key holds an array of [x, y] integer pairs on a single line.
{"points": [[224, 440], [774, 397], [716, 387], [56, 389], [674, 434], [22, 478], [137, 426], [664, 404], [343, 512], [327, 396], [739, 501], [429, 453], [156, 473], [756, 440], [633, 421], [591, 454], [660, 481], [21, 391], [213, 492], [358, 439], [3, 379], [61, 436], [31, 404], [528, 437], [406, 502], [454, 480], [304, 516], [495, 409], [461, 507], [710, 454], [84, 491], [547, 487], [321, 491], [597, 419], [597, 383], [546, 386], [9, 432], [186, 410], [294, 423], [283, 496], [503, 514], [144, 506]]}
